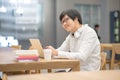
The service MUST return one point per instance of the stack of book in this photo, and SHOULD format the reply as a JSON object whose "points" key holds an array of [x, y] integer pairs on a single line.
{"points": [[27, 55]]}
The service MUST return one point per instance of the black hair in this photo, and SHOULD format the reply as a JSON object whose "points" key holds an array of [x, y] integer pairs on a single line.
{"points": [[96, 26], [72, 13]]}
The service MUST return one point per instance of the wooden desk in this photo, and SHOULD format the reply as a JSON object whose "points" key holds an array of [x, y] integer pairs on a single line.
{"points": [[8, 63], [86, 75]]}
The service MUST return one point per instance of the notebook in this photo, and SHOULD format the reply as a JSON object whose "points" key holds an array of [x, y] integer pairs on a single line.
{"points": [[36, 44]]}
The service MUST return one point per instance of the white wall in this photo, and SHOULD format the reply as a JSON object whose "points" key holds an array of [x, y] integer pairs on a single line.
{"points": [[113, 5], [49, 27]]}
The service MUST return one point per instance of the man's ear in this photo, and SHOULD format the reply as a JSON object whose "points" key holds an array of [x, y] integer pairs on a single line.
{"points": [[76, 19]]}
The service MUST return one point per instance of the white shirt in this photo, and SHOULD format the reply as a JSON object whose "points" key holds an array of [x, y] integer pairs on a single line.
{"points": [[84, 46]]}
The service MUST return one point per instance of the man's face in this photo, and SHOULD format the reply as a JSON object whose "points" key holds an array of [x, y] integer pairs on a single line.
{"points": [[68, 24]]}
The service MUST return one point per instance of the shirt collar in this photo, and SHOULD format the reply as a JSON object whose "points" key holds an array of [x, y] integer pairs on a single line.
{"points": [[79, 30]]}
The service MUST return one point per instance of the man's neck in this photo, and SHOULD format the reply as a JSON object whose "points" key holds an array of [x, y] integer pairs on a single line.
{"points": [[77, 27]]}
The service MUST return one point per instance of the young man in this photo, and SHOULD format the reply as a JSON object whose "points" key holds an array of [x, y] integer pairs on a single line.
{"points": [[82, 42]]}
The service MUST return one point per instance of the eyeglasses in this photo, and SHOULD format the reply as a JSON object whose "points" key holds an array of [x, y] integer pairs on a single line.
{"points": [[65, 20]]}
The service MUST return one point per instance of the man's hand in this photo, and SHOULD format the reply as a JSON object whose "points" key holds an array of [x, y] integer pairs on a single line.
{"points": [[54, 51]]}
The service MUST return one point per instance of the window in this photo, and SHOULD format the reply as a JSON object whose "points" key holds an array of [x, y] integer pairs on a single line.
{"points": [[22, 20], [91, 14]]}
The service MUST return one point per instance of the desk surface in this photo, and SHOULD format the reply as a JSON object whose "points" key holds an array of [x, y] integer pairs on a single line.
{"points": [[90, 75], [8, 63]]}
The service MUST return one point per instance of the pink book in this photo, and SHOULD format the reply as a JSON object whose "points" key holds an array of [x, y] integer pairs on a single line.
{"points": [[27, 58]]}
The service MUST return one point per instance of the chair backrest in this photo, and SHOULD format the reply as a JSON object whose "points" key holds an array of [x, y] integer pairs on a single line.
{"points": [[101, 47], [103, 60], [16, 46], [115, 50]]}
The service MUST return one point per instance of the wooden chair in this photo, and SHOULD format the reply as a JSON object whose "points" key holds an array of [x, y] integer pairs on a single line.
{"points": [[108, 61], [103, 61], [16, 47], [4, 77], [116, 50]]}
